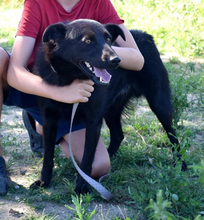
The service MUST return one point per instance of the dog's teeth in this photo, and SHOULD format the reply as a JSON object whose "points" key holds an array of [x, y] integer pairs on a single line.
{"points": [[87, 64], [101, 80]]}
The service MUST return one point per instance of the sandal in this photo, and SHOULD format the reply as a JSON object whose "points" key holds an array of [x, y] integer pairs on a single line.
{"points": [[36, 140], [3, 177]]}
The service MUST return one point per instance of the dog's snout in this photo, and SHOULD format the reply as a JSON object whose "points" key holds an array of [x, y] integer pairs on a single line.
{"points": [[115, 60]]}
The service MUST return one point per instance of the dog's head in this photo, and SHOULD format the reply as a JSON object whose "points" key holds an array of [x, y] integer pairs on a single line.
{"points": [[85, 43]]}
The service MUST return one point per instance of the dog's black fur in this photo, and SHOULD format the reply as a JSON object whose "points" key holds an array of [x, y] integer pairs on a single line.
{"points": [[61, 60]]}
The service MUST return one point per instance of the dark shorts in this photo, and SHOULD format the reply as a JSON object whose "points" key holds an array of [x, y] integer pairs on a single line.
{"points": [[13, 97]]}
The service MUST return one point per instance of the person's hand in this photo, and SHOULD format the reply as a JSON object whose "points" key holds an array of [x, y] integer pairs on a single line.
{"points": [[78, 91]]}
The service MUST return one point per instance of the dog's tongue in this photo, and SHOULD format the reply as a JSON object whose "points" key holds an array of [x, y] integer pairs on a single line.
{"points": [[103, 74]]}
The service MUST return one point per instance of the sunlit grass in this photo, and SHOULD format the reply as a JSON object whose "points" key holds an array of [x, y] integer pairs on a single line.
{"points": [[8, 26], [175, 25]]}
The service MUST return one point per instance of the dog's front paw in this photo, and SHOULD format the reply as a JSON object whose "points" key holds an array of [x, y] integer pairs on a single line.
{"points": [[37, 184], [182, 163], [112, 150], [184, 166], [82, 189]]}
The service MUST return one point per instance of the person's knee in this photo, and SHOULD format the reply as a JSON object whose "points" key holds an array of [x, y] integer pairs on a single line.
{"points": [[101, 167], [101, 164], [4, 59]]}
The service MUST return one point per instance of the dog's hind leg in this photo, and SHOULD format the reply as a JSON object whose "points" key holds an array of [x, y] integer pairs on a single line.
{"points": [[49, 136], [163, 110], [162, 107]]}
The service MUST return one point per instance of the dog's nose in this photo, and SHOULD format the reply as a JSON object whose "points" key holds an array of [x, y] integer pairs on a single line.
{"points": [[115, 60]]}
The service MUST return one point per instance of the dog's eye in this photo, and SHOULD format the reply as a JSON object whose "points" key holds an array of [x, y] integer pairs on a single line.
{"points": [[108, 39], [88, 41]]}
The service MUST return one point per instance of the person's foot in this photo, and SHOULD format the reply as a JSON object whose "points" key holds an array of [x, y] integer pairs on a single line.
{"points": [[36, 140], [3, 177]]}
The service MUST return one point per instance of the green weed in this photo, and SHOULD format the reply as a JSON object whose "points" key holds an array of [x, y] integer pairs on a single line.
{"points": [[160, 208], [43, 216], [81, 211]]}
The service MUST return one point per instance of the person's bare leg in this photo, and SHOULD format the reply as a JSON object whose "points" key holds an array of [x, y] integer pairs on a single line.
{"points": [[39, 128], [101, 164], [4, 59]]}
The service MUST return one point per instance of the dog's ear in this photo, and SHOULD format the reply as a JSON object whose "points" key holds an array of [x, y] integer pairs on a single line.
{"points": [[115, 31], [54, 32]]}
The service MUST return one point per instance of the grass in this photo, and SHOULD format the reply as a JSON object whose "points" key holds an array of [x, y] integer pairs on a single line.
{"points": [[141, 171], [143, 179], [8, 26], [175, 25]]}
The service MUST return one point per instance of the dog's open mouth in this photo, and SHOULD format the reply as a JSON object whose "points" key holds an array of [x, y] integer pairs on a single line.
{"points": [[99, 76]]}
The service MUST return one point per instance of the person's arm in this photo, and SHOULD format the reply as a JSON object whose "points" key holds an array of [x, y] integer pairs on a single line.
{"points": [[19, 78], [130, 55]]}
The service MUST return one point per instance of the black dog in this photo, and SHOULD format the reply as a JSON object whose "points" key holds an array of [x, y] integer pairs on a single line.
{"points": [[80, 50], [75, 51]]}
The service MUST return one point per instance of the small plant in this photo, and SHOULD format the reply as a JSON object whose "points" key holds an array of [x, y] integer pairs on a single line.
{"points": [[199, 169], [160, 208], [199, 217], [81, 211], [43, 216], [68, 186]]}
